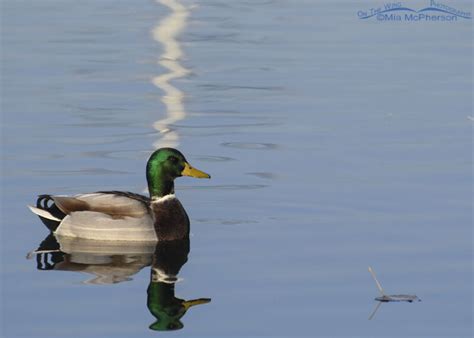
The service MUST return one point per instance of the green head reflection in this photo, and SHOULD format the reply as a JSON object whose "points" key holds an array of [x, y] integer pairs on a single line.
{"points": [[168, 310]]}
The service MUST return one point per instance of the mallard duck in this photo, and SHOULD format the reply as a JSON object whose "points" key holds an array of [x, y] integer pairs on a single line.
{"points": [[118, 215]]}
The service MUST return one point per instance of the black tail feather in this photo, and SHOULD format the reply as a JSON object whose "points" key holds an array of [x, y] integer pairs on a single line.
{"points": [[46, 202], [48, 260]]}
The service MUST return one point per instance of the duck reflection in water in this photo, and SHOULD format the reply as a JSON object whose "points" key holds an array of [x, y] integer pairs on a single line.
{"points": [[107, 261], [114, 262], [168, 259]]}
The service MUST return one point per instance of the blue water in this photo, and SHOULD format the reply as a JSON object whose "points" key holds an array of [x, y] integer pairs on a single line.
{"points": [[334, 143]]}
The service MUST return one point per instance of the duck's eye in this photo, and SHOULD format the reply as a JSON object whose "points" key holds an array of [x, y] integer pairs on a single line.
{"points": [[173, 159]]}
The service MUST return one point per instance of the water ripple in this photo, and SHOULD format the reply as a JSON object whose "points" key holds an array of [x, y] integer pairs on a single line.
{"points": [[224, 221], [84, 171], [247, 145], [224, 187], [233, 125], [214, 158], [266, 175], [125, 154], [225, 87]]}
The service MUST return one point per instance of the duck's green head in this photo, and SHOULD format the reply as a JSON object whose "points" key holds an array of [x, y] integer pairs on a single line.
{"points": [[164, 165]]}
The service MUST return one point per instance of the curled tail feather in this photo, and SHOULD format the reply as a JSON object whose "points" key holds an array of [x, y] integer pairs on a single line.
{"points": [[48, 212]]}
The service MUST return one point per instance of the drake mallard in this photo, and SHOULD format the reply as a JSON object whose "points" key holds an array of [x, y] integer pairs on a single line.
{"points": [[119, 215]]}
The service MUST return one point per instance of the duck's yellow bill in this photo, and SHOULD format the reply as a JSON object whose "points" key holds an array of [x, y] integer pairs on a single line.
{"points": [[193, 172], [187, 304]]}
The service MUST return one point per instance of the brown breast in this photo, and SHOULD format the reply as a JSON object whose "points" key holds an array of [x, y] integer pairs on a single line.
{"points": [[170, 218]]}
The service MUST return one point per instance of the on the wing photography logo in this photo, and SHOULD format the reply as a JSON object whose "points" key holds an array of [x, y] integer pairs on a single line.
{"points": [[396, 11]]}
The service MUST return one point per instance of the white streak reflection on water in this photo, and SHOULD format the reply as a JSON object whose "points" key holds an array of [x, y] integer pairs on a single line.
{"points": [[166, 33]]}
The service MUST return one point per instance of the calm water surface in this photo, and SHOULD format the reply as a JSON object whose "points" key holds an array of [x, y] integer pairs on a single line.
{"points": [[333, 143]]}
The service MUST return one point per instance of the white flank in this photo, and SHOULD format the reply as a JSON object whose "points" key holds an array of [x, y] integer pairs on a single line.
{"points": [[99, 226], [43, 213]]}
